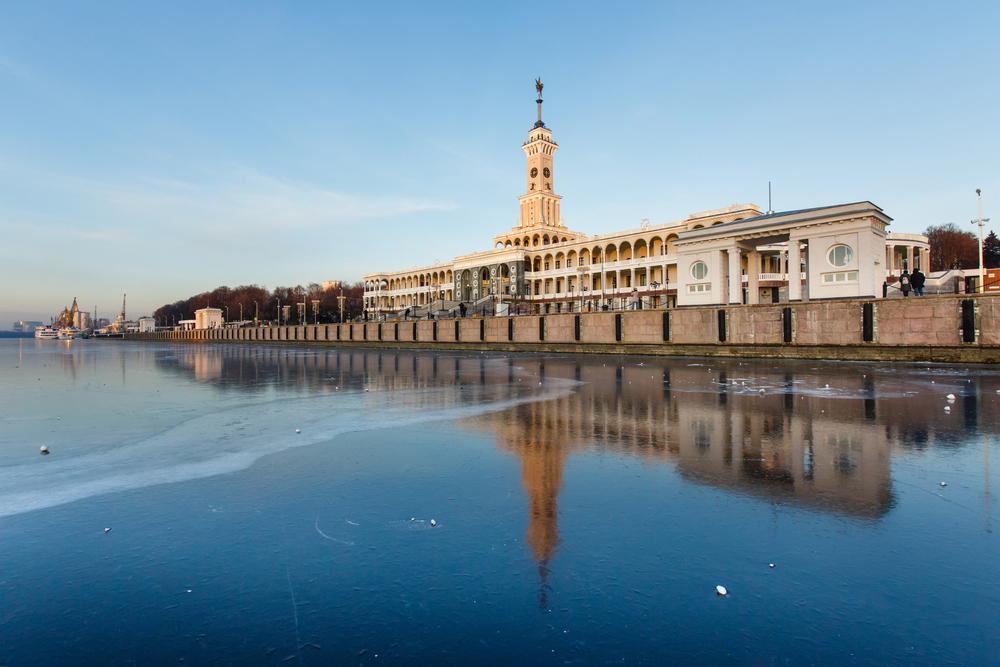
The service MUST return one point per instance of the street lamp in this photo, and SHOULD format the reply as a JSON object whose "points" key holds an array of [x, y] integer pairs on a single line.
{"points": [[315, 303], [981, 221]]}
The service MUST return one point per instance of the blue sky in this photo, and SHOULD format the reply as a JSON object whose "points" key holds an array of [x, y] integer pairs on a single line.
{"points": [[162, 149]]}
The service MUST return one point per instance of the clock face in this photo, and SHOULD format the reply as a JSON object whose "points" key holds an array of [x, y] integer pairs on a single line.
{"points": [[546, 172], [534, 172]]}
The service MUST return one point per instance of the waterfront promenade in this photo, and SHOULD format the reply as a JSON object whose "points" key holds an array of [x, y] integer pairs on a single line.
{"points": [[953, 328]]}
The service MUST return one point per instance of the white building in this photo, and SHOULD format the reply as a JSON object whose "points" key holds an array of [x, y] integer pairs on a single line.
{"points": [[147, 325], [736, 254], [208, 318]]}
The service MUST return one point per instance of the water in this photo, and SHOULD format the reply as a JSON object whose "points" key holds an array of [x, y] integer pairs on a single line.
{"points": [[586, 509]]}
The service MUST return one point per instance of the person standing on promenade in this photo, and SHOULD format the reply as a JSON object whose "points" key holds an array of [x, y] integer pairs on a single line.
{"points": [[904, 283], [461, 309], [917, 279]]}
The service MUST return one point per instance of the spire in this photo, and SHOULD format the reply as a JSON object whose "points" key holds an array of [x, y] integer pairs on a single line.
{"points": [[538, 87]]}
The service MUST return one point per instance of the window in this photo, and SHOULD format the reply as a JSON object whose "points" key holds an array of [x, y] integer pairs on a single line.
{"points": [[840, 255], [840, 277], [699, 270]]}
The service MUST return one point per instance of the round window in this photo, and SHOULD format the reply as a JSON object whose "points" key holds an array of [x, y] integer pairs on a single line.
{"points": [[699, 270], [840, 255]]}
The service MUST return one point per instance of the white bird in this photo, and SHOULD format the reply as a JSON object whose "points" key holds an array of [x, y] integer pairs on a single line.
{"points": [[721, 590], [944, 483], [434, 523], [107, 530], [43, 450], [950, 397], [770, 564], [298, 430], [947, 409]]}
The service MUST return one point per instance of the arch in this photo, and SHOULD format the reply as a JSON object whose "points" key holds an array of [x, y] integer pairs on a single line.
{"points": [[560, 260], [547, 262], [640, 249], [584, 257], [499, 244], [485, 284], [596, 256], [538, 263], [465, 286], [571, 258], [517, 243], [536, 240], [526, 243], [625, 251], [655, 246], [545, 239], [611, 253], [671, 246]]}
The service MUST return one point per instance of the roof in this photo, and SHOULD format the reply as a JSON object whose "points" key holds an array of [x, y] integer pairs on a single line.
{"points": [[755, 221]]}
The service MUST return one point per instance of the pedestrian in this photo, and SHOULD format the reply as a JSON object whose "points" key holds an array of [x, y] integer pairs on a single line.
{"points": [[904, 283], [635, 299], [462, 309], [917, 279]]}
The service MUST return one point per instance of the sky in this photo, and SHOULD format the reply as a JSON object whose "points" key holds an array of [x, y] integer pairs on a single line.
{"points": [[163, 149]]}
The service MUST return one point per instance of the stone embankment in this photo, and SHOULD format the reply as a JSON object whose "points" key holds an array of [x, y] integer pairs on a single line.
{"points": [[956, 328]]}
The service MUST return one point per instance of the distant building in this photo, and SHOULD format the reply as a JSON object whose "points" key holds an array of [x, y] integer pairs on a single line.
{"points": [[147, 324], [208, 318], [81, 319], [185, 325], [25, 326]]}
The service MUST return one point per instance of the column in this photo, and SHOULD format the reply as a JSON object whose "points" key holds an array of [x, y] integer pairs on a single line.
{"points": [[735, 277], [909, 258], [753, 277], [794, 282]]}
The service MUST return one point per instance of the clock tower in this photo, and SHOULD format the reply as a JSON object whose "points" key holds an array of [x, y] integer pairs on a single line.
{"points": [[540, 204]]}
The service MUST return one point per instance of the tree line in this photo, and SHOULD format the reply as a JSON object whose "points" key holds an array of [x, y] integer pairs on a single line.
{"points": [[955, 248], [251, 302]]}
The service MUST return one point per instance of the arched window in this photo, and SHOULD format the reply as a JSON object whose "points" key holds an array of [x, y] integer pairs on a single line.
{"points": [[699, 270]]}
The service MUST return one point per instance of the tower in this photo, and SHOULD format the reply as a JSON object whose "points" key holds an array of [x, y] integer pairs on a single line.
{"points": [[540, 204]]}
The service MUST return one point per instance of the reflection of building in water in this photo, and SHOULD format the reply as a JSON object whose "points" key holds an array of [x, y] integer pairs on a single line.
{"points": [[792, 444], [818, 436]]}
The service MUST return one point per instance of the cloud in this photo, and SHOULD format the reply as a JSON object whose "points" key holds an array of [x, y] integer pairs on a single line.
{"points": [[247, 201]]}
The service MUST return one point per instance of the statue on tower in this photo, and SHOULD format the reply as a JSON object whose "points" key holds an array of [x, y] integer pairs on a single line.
{"points": [[539, 86]]}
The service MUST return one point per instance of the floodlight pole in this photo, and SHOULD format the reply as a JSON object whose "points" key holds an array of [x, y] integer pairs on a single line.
{"points": [[981, 221]]}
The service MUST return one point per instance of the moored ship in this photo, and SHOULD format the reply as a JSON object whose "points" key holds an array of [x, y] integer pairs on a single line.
{"points": [[46, 333]]}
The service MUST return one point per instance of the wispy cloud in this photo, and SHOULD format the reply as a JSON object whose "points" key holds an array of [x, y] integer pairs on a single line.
{"points": [[246, 200]]}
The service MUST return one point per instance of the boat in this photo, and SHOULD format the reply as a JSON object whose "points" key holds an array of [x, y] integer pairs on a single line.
{"points": [[69, 333], [46, 333]]}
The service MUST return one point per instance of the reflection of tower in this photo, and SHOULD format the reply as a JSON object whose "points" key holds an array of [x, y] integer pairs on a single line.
{"points": [[541, 474]]}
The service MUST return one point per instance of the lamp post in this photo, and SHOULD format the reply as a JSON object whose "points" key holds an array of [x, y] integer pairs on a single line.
{"points": [[279, 311], [981, 221], [340, 304], [256, 312], [241, 312], [315, 303], [580, 284]]}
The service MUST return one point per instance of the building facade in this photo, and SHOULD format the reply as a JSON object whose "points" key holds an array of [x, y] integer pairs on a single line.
{"points": [[736, 254], [208, 318]]}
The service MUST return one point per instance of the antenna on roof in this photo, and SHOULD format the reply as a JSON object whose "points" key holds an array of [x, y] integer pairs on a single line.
{"points": [[769, 209]]}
